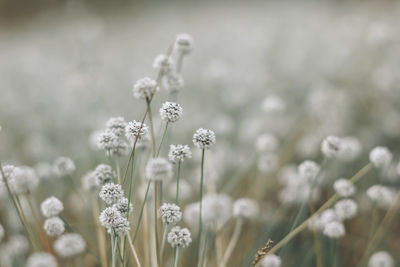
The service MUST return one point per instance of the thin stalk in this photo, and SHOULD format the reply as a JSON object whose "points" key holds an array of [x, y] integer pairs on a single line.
{"points": [[23, 222], [164, 238], [26, 222], [325, 206], [100, 234], [118, 170], [178, 175], [176, 257], [141, 212], [129, 201], [162, 138], [153, 140], [233, 241], [155, 223], [39, 229], [135, 256], [113, 249], [201, 206]]}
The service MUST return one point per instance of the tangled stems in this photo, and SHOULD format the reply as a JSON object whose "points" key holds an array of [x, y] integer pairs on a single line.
{"points": [[177, 182], [325, 206], [201, 207]]}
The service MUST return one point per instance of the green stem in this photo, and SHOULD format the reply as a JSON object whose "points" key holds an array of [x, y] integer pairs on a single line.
{"points": [[164, 238], [176, 257], [113, 249], [201, 207], [129, 201], [162, 139], [141, 212], [153, 140], [177, 182]]}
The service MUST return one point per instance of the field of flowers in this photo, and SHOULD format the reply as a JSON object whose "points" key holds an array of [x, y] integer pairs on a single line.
{"points": [[202, 134]]}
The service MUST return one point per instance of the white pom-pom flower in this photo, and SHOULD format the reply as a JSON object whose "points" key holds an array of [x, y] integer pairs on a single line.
{"points": [[334, 230], [104, 174], [245, 208], [204, 138], [135, 129], [344, 187], [184, 43], [41, 259], [158, 169], [144, 88], [170, 112], [54, 226], [380, 157], [64, 166], [69, 245], [308, 170], [123, 207], [331, 146], [381, 195], [217, 210], [107, 141], [179, 237], [116, 125], [23, 180], [51, 207], [346, 209], [110, 193], [271, 260], [381, 259], [170, 213], [178, 153]]}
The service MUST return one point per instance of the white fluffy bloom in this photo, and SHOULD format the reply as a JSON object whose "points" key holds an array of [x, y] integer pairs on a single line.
{"points": [[54, 226], [23, 180], [69, 245], [104, 174], [158, 169], [331, 146], [383, 196], [179, 237], [344, 187], [245, 208], [121, 227], [267, 162], [122, 206], [217, 210], [204, 138], [111, 193], [89, 182], [179, 153], [327, 216], [116, 125], [267, 143], [163, 63], [144, 88], [173, 82], [170, 213], [170, 112], [184, 43], [63, 166], [380, 157], [107, 140], [191, 214], [381, 259], [334, 229], [308, 170], [271, 260], [109, 216], [346, 209], [135, 129], [350, 150], [41, 259], [51, 207], [17, 245]]}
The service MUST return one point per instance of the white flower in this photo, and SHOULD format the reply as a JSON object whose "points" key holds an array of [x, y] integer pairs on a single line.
{"points": [[170, 112], [163, 62], [331, 146], [381, 259], [107, 141], [383, 196], [122, 206], [158, 169], [184, 43], [334, 229], [380, 157], [23, 180], [170, 213], [121, 227], [89, 182], [308, 170], [136, 129], [344, 187], [144, 88], [217, 210], [54, 226], [51, 207], [350, 150], [116, 125], [69, 245], [328, 216], [109, 216], [111, 193], [179, 237], [191, 214], [245, 208], [179, 153], [64, 166], [41, 259], [271, 260], [204, 138], [346, 209], [104, 174], [173, 82]]}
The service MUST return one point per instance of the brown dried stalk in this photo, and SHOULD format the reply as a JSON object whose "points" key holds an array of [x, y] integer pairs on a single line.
{"points": [[262, 252]]}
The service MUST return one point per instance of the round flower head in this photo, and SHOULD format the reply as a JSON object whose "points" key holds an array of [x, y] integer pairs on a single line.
{"points": [[346, 209], [144, 88], [111, 193], [267, 143], [178, 153], [158, 169], [191, 214], [122, 206], [173, 82], [116, 125], [107, 141], [23, 180], [170, 213], [350, 150], [204, 138], [89, 182], [41, 259], [1, 232], [217, 210], [271, 260], [383, 196], [380, 157], [184, 43], [245, 208], [51, 207], [69, 245], [54, 226], [170, 112], [179, 237], [136, 129], [334, 229], [381, 259], [109, 216], [328, 216], [121, 227], [17, 245], [163, 63], [308, 170], [104, 174], [331, 146], [64, 166], [344, 187]]}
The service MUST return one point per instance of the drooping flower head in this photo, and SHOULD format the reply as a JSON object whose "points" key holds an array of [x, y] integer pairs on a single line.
{"points": [[204, 138]]}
